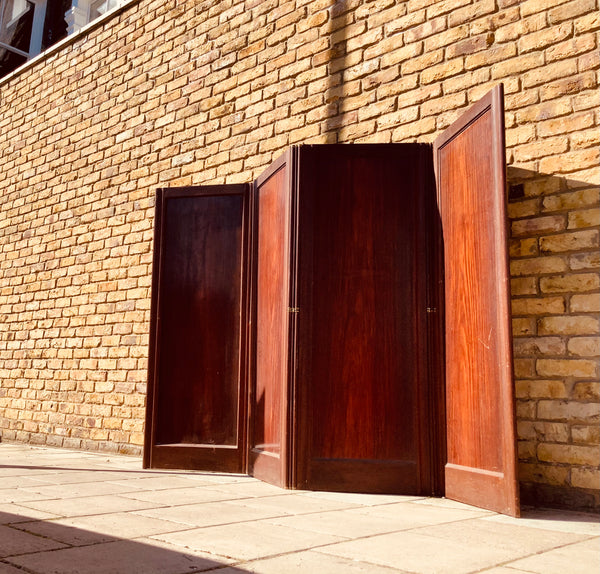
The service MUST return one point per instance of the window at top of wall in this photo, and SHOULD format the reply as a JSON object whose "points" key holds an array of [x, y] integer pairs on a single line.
{"points": [[28, 27]]}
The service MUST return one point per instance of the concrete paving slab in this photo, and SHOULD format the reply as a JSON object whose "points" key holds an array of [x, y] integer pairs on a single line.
{"points": [[16, 542], [579, 558], [14, 513], [76, 490], [209, 514], [447, 503], [248, 541], [78, 476], [160, 482], [518, 540], [88, 505], [409, 515], [235, 520], [6, 568], [309, 562], [550, 519], [346, 524], [253, 488], [99, 528], [361, 499], [420, 553], [19, 481], [183, 496], [293, 504], [17, 495], [64, 534], [124, 556], [503, 570]]}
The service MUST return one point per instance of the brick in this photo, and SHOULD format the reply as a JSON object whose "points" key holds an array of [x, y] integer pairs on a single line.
{"points": [[523, 326], [544, 474], [568, 410], [586, 434], [538, 225], [568, 325], [523, 286], [584, 346], [585, 303], [581, 261], [570, 454], [585, 478], [541, 389], [586, 391], [569, 241], [575, 282], [584, 218], [523, 247], [570, 10], [569, 201], [441, 71], [538, 305], [544, 38], [566, 368]]}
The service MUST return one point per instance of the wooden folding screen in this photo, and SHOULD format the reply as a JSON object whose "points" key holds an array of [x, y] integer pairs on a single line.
{"points": [[297, 327], [470, 172], [197, 366]]}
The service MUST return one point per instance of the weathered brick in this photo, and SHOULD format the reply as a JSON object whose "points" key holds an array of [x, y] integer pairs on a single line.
{"points": [[538, 225], [574, 282], [570, 241], [538, 305], [585, 303], [567, 368], [584, 346], [541, 389]]}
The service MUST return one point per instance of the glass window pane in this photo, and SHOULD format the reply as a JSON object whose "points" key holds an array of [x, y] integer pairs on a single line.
{"points": [[16, 22], [9, 61]]}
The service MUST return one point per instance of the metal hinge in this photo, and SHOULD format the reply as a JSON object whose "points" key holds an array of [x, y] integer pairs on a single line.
{"points": [[431, 310], [294, 309]]}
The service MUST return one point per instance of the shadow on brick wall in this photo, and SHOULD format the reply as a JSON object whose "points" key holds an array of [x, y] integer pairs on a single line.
{"points": [[555, 258]]}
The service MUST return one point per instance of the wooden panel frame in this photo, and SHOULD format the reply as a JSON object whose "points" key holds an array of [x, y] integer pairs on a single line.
{"points": [[425, 474], [214, 457], [468, 396], [268, 466]]}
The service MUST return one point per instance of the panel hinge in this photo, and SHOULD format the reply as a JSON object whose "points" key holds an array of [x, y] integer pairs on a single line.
{"points": [[294, 309], [431, 310]]}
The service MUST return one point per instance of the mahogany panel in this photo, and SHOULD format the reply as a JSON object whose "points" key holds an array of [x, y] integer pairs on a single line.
{"points": [[363, 416], [470, 169], [269, 395], [196, 407]]}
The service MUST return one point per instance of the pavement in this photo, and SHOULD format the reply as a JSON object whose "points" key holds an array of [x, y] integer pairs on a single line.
{"points": [[74, 512]]}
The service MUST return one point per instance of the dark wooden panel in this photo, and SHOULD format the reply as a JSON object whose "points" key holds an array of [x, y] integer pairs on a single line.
{"points": [[269, 397], [198, 391], [362, 326], [480, 405]]}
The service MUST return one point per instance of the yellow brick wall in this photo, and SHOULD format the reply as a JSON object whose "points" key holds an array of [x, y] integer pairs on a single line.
{"points": [[186, 93]]}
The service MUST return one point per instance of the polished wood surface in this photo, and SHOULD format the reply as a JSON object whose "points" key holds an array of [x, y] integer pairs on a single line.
{"points": [[469, 156], [269, 395], [363, 381], [198, 378]]}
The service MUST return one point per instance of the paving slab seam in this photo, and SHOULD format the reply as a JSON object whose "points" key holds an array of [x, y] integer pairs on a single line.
{"points": [[556, 547]]}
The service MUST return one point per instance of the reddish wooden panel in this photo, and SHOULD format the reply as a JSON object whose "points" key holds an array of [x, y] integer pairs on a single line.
{"points": [[470, 167], [363, 416], [269, 396], [195, 413]]}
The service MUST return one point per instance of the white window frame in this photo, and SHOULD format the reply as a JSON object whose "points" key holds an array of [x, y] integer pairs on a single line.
{"points": [[37, 31]]}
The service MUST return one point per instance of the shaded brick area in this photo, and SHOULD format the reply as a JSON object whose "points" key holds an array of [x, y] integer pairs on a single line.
{"points": [[212, 92]]}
